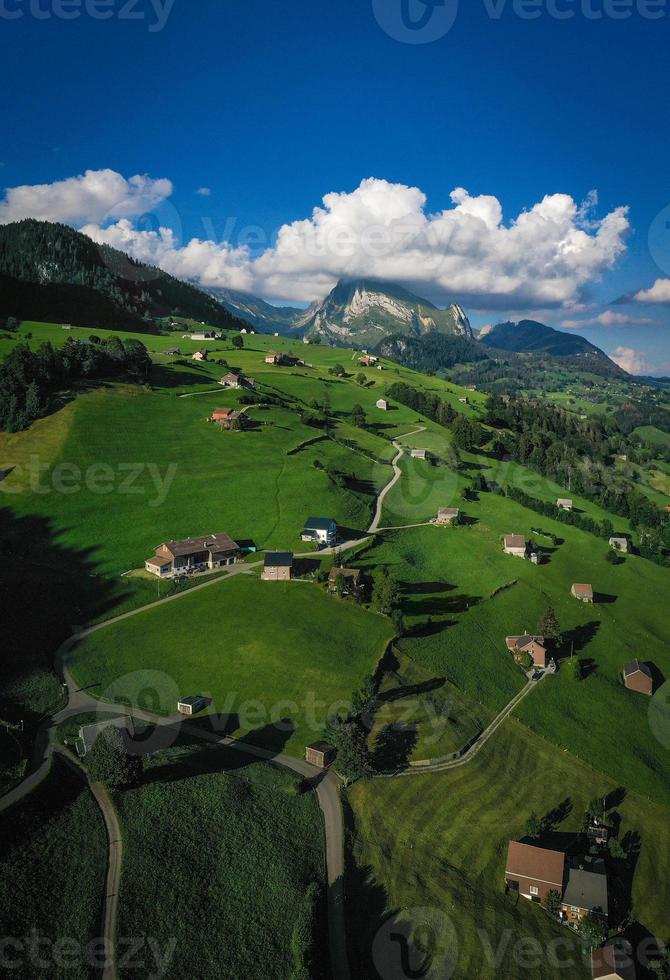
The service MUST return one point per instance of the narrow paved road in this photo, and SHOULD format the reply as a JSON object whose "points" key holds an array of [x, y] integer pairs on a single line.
{"points": [[397, 473]]}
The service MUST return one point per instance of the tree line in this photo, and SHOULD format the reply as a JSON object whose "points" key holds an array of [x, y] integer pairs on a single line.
{"points": [[29, 379]]}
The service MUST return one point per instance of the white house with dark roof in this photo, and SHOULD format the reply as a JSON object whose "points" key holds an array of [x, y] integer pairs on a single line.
{"points": [[320, 530]]}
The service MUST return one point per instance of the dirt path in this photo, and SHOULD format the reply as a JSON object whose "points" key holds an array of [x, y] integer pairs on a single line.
{"points": [[397, 473]]}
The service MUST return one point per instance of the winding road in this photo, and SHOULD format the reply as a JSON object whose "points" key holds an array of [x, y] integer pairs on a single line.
{"points": [[325, 784]]}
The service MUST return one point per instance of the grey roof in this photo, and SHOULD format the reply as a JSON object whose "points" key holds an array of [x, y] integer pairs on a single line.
{"points": [[320, 524], [633, 666], [278, 559], [217, 543], [586, 890]]}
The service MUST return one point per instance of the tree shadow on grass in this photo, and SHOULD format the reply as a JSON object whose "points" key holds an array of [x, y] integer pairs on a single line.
{"points": [[393, 746], [430, 628], [163, 376], [555, 817], [577, 639]]}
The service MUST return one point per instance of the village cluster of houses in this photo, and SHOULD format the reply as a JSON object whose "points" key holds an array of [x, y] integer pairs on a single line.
{"points": [[581, 886]]}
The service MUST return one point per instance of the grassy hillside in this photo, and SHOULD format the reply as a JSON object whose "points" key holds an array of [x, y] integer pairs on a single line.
{"points": [[53, 857], [239, 889], [440, 841]]}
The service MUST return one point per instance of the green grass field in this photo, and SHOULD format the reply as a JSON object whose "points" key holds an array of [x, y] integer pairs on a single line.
{"points": [[440, 841], [225, 870], [274, 656], [53, 855]]}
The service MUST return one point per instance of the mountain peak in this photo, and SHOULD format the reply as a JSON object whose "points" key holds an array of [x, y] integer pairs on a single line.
{"points": [[532, 337]]}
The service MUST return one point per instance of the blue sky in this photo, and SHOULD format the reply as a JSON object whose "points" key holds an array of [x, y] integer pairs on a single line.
{"points": [[272, 106]]}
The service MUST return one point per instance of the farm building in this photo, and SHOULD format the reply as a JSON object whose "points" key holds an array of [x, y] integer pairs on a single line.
{"points": [[173, 351], [228, 418], [351, 579], [321, 530], [191, 705], [320, 754], [383, 404], [230, 381], [582, 592], [564, 503], [638, 677], [534, 871], [419, 453], [448, 515], [613, 961], [278, 566], [193, 554], [515, 544], [619, 544], [534, 646], [367, 360], [272, 358], [585, 894], [200, 355], [203, 335], [463, 400]]}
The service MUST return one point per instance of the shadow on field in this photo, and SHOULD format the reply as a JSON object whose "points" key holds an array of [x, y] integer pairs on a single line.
{"points": [[603, 599], [393, 746], [578, 639]]}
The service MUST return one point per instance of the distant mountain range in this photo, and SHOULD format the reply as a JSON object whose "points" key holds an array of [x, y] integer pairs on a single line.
{"points": [[51, 272], [359, 312], [531, 337]]}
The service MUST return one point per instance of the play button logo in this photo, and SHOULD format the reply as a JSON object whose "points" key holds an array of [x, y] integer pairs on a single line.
{"points": [[415, 21]]}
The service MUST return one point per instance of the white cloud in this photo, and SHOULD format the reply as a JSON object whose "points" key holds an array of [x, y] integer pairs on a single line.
{"points": [[630, 360], [204, 191], [658, 293], [95, 196], [542, 258], [609, 319]]}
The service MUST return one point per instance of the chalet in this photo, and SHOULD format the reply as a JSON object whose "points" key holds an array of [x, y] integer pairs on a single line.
{"points": [[585, 894], [533, 646], [515, 544], [534, 871], [200, 355], [191, 705], [228, 418], [471, 387], [243, 330], [320, 754], [582, 592], [205, 335], [448, 515], [272, 358], [638, 677], [230, 381], [380, 367], [193, 554], [619, 544], [564, 503], [278, 566], [320, 530], [463, 400], [613, 961], [367, 360], [383, 404], [173, 351], [419, 453], [351, 579]]}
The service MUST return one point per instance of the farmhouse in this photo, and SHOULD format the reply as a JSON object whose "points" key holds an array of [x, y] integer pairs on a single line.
{"points": [[173, 351], [228, 418], [419, 453], [350, 578], [585, 894], [272, 358], [278, 566], [193, 554], [448, 515], [463, 401], [515, 544], [534, 871], [208, 335], [613, 961], [564, 503], [320, 754], [191, 705], [200, 355], [383, 404], [230, 381], [582, 592], [367, 360], [321, 530], [534, 646], [619, 544], [638, 677]]}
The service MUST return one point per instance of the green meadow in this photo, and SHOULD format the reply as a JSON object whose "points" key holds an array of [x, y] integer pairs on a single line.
{"points": [[440, 841], [277, 658], [56, 829], [239, 891]]}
